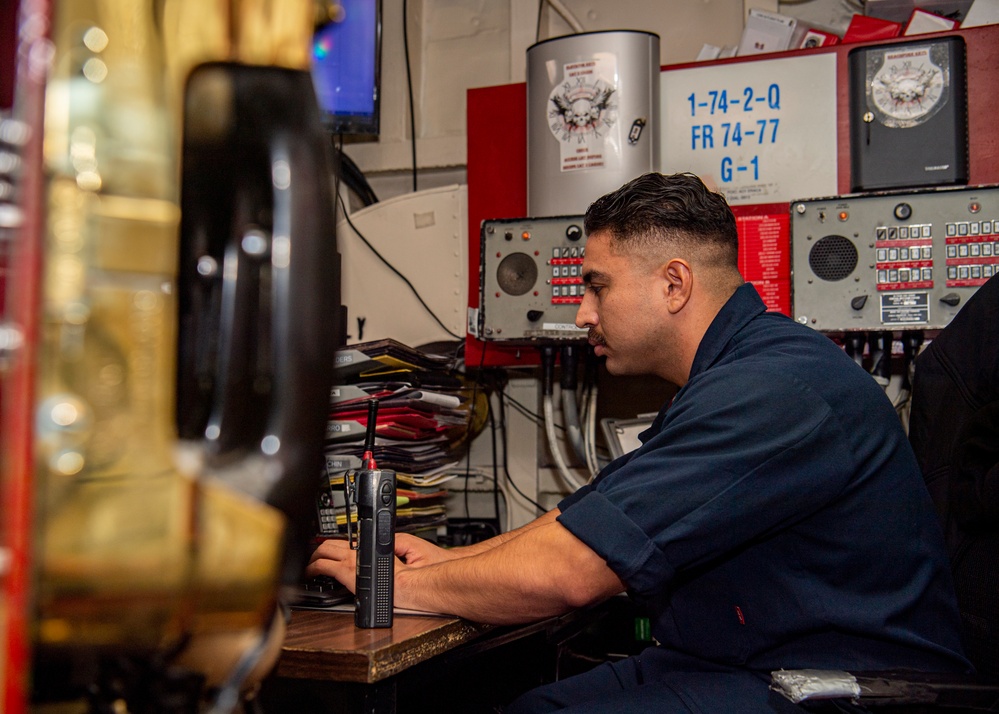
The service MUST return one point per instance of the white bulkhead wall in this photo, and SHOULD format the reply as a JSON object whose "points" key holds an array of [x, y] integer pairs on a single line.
{"points": [[455, 45]]}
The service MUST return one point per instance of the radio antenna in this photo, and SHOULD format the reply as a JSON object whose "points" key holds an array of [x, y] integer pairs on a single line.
{"points": [[369, 436]]}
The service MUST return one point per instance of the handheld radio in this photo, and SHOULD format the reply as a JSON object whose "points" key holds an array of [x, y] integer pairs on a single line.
{"points": [[373, 493]]}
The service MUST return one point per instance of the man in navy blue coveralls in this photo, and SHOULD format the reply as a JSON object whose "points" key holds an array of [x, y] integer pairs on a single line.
{"points": [[774, 516]]}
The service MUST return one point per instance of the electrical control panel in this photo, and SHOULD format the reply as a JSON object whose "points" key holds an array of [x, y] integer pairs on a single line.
{"points": [[530, 279], [891, 261]]}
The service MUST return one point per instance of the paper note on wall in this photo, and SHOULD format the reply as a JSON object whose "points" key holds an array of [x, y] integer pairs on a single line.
{"points": [[762, 131]]}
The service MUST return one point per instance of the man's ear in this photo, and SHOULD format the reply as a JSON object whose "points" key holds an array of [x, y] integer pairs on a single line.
{"points": [[678, 282]]}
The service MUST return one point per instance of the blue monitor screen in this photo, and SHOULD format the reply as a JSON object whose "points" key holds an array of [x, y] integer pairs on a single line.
{"points": [[345, 67]]}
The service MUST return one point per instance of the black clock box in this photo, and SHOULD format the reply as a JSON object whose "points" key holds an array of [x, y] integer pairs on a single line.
{"points": [[908, 115]]}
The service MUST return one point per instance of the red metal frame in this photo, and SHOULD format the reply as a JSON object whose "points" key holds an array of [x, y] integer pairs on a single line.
{"points": [[22, 303]]}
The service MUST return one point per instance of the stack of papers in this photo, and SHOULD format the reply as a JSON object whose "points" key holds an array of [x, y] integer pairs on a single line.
{"points": [[419, 501], [406, 411], [383, 358], [422, 425]]}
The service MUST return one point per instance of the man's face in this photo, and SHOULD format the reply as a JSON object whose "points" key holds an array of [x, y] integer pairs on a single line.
{"points": [[623, 307]]}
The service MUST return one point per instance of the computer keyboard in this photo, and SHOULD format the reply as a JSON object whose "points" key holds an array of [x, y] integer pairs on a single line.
{"points": [[319, 592]]}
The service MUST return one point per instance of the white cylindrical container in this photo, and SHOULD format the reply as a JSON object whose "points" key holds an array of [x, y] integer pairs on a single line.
{"points": [[592, 117]]}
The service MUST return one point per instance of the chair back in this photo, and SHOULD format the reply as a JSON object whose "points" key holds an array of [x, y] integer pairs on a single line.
{"points": [[954, 430]]}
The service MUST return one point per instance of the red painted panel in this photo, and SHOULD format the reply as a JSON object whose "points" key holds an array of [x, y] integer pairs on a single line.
{"points": [[497, 188], [765, 252]]}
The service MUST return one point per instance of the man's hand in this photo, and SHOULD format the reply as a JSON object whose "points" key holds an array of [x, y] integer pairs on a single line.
{"points": [[417, 552], [336, 559]]}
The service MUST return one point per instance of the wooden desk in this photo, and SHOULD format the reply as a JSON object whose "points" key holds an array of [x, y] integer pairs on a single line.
{"points": [[327, 664], [327, 646]]}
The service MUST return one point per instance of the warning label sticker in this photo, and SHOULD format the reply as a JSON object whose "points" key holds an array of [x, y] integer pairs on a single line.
{"points": [[905, 308], [582, 112]]}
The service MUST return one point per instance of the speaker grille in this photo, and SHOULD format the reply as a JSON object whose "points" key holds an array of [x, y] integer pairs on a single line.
{"points": [[517, 273], [833, 258]]}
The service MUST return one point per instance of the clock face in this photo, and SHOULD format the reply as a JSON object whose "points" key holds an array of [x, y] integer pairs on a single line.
{"points": [[909, 86]]}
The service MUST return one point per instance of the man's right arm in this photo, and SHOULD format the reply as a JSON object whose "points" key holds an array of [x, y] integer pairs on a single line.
{"points": [[538, 571], [417, 551]]}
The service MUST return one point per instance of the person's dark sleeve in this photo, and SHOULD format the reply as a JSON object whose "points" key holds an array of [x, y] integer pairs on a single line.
{"points": [[740, 455]]}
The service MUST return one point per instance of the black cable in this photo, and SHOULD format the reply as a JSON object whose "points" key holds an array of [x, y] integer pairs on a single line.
{"points": [[855, 342], [526, 411], [494, 385], [458, 355], [569, 358], [336, 140], [533, 416], [409, 84], [358, 185], [506, 467], [492, 429], [912, 340], [591, 373], [568, 382], [401, 276], [352, 174], [880, 347], [591, 365], [547, 370], [471, 419], [537, 29]]}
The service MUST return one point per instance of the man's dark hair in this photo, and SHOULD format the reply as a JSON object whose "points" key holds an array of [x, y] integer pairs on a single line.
{"points": [[677, 208]]}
